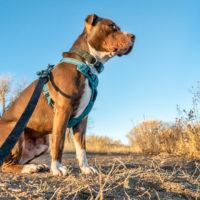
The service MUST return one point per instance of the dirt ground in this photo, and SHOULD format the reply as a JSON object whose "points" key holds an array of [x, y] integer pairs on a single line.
{"points": [[120, 177]]}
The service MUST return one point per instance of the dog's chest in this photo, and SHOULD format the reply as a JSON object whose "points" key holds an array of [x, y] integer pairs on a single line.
{"points": [[85, 99]]}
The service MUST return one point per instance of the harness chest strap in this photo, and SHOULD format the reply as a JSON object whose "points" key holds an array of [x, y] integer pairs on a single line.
{"points": [[93, 82]]}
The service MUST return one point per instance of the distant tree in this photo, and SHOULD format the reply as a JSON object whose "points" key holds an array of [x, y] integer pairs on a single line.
{"points": [[18, 89], [9, 91], [5, 82]]}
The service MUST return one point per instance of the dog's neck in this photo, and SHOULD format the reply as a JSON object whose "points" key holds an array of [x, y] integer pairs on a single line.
{"points": [[83, 44], [91, 57]]}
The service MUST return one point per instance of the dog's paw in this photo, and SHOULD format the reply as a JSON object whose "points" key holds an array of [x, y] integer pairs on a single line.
{"points": [[88, 170], [58, 169], [32, 168], [42, 167]]}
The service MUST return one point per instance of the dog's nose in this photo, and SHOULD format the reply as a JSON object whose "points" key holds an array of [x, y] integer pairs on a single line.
{"points": [[131, 36]]}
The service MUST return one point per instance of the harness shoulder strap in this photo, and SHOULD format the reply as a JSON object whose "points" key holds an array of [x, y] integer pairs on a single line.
{"points": [[72, 61], [93, 82]]}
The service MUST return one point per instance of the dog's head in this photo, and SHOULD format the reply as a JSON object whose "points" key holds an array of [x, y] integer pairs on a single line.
{"points": [[105, 39]]}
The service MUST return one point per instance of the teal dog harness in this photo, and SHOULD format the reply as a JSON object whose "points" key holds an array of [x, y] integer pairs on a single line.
{"points": [[93, 82]]}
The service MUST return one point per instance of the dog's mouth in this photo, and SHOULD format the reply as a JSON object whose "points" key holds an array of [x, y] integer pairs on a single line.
{"points": [[125, 51]]}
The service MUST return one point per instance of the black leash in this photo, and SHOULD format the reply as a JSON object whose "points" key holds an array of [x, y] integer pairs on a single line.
{"points": [[13, 137], [15, 134]]}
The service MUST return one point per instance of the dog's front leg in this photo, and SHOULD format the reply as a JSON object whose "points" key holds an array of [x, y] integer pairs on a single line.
{"points": [[61, 118], [79, 140]]}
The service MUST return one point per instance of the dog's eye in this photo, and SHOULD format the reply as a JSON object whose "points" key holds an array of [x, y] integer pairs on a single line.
{"points": [[113, 27]]}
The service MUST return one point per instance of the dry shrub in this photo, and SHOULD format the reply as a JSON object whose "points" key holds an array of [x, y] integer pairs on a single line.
{"points": [[156, 137], [170, 137], [189, 142], [147, 135], [99, 144], [190, 123], [150, 137], [105, 145], [180, 138]]}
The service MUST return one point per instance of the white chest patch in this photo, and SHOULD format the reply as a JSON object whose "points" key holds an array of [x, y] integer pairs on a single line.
{"points": [[85, 99], [101, 56]]}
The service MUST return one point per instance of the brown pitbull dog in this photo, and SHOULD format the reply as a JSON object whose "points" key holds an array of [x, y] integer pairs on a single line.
{"points": [[101, 38]]}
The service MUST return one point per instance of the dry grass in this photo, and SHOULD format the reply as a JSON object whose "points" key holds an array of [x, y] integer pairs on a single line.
{"points": [[123, 174], [120, 177], [150, 137], [99, 144]]}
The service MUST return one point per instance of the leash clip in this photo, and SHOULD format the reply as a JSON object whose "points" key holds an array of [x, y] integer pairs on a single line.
{"points": [[45, 73], [94, 61], [98, 65]]}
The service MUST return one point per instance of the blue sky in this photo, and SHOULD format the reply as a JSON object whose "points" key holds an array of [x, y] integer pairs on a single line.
{"points": [[146, 84]]}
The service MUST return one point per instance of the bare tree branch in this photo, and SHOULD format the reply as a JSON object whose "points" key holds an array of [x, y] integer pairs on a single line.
{"points": [[5, 82]]}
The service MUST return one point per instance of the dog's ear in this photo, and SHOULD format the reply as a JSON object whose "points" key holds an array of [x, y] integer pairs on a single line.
{"points": [[90, 21]]}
